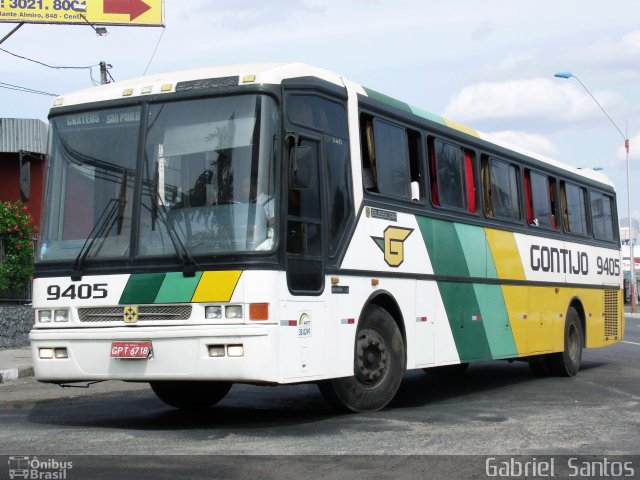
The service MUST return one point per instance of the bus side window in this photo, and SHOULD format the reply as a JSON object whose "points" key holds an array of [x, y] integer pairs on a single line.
{"points": [[553, 203], [500, 183], [539, 203], [451, 169], [602, 217], [574, 208], [531, 220], [369, 180], [391, 159]]}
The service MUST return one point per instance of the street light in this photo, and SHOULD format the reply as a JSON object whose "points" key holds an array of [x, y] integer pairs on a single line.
{"points": [[567, 75]]}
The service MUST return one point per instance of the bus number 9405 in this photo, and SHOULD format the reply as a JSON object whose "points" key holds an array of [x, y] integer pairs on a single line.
{"points": [[83, 291], [608, 266]]}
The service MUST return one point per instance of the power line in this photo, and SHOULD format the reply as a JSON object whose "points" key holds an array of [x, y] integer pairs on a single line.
{"points": [[154, 52], [46, 64], [88, 67], [19, 88]]}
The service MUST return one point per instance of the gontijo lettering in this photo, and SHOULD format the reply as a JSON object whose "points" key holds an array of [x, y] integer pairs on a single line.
{"points": [[558, 260], [563, 260]]}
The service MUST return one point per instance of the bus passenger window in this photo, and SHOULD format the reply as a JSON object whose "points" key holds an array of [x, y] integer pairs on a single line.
{"points": [[553, 195], [369, 181], [391, 159], [500, 183], [602, 216], [451, 170], [538, 199], [574, 208]]}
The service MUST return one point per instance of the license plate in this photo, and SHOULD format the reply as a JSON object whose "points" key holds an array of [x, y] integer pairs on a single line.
{"points": [[131, 349]]}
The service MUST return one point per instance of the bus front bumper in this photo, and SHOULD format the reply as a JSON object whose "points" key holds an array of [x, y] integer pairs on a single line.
{"points": [[177, 353]]}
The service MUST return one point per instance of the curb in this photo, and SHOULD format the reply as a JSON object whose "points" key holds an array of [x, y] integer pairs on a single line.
{"points": [[15, 373]]}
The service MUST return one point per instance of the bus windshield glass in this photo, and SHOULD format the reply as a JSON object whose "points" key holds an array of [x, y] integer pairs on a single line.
{"points": [[205, 180]]}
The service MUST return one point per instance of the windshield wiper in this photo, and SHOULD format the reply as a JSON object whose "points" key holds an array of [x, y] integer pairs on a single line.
{"points": [[104, 224], [189, 263]]}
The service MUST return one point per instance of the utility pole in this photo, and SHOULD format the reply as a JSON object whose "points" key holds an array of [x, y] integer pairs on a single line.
{"points": [[103, 73]]}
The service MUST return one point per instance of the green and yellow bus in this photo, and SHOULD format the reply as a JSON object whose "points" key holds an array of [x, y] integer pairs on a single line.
{"points": [[276, 224]]}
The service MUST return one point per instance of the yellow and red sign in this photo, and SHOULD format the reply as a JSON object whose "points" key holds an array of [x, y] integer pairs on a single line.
{"points": [[96, 12]]}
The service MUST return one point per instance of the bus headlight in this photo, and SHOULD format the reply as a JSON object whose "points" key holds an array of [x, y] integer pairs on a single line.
{"points": [[233, 311], [61, 316], [213, 312], [45, 316]]}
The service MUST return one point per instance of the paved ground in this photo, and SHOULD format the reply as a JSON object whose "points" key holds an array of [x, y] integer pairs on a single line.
{"points": [[497, 408]]}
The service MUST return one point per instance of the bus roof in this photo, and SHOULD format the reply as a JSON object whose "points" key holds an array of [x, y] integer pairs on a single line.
{"points": [[275, 73]]}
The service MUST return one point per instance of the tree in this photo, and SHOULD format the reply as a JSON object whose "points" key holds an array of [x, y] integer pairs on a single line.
{"points": [[16, 237]]}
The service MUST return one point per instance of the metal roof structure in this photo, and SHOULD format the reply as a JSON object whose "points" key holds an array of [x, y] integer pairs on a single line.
{"points": [[23, 134]]}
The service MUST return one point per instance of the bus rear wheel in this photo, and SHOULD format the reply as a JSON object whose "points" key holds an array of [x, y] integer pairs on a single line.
{"points": [[567, 363], [379, 365], [189, 395]]}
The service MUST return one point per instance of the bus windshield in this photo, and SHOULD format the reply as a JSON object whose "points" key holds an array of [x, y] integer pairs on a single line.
{"points": [[205, 180]]}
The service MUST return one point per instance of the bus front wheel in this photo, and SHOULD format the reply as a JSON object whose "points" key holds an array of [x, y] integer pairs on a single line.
{"points": [[379, 365], [189, 395]]}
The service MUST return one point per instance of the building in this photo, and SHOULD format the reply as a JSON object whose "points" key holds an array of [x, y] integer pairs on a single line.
{"points": [[23, 145]]}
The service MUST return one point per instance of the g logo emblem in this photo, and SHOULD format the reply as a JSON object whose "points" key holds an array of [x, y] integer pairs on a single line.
{"points": [[392, 244]]}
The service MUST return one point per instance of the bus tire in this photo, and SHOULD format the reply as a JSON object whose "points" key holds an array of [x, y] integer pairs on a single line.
{"points": [[567, 363], [190, 395], [379, 365]]}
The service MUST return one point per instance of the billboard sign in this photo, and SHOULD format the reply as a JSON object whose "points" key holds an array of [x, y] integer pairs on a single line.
{"points": [[95, 12]]}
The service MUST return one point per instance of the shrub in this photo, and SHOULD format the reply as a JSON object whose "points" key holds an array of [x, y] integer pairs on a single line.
{"points": [[16, 235]]}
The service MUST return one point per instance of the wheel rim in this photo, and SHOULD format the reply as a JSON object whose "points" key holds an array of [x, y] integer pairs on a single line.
{"points": [[573, 344], [372, 357]]}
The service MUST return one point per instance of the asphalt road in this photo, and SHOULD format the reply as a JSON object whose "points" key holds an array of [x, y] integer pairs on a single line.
{"points": [[496, 408]]}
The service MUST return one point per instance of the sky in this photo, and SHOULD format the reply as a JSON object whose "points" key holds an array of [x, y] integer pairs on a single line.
{"points": [[489, 64]]}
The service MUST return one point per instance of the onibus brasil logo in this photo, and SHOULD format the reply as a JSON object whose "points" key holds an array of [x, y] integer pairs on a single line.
{"points": [[392, 244], [38, 469]]}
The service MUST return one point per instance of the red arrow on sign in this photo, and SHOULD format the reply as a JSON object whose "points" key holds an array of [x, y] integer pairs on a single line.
{"points": [[134, 8]]}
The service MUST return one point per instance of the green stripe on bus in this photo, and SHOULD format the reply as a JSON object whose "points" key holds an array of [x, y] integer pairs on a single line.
{"points": [[176, 288], [476, 312], [142, 288], [428, 115], [443, 245], [473, 242], [491, 264], [381, 97], [496, 321], [464, 315]]}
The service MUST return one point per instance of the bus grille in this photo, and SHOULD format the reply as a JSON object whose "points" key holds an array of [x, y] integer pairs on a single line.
{"points": [[610, 314], [145, 313]]}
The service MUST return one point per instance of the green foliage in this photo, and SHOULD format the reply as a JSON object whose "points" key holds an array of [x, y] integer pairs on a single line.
{"points": [[16, 234]]}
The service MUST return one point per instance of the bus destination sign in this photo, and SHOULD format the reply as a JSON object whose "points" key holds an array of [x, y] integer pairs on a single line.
{"points": [[95, 12]]}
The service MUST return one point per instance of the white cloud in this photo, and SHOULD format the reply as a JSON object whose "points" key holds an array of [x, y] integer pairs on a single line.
{"points": [[525, 141], [541, 99], [619, 51]]}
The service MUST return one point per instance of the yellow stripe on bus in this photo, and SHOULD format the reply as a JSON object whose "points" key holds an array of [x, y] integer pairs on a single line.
{"points": [[216, 286], [506, 255]]}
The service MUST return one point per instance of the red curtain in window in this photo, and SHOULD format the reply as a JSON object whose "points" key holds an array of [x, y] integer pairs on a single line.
{"points": [[471, 190]]}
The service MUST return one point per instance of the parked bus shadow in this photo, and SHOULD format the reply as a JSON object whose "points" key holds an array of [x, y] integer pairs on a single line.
{"points": [[285, 408]]}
